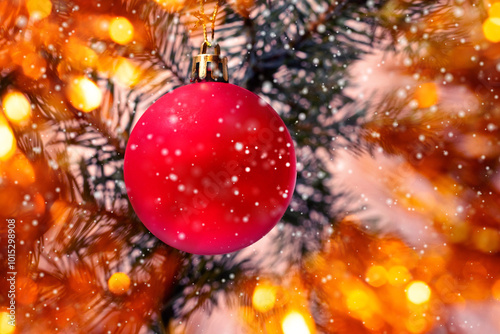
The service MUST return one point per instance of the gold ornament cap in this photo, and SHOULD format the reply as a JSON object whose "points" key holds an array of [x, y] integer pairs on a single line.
{"points": [[217, 70]]}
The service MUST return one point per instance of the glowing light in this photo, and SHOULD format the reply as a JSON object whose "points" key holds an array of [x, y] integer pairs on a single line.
{"points": [[121, 30], [119, 283], [127, 73], [7, 142], [16, 106], [39, 9], [376, 276], [294, 323], [426, 95], [357, 300], [495, 290], [33, 65], [398, 275], [416, 324], [171, 5], [264, 297], [494, 10], [21, 170], [5, 327], [491, 29], [418, 292], [84, 94], [487, 240]]}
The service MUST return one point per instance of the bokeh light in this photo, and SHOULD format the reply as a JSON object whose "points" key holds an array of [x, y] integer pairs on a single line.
{"points": [[418, 292], [357, 300], [119, 283], [398, 275], [264, 297], [171, 5], [16, 107], [121, 30], [426, 95], [126, 72], [494, 10], [294, 323], [5, 327], [84, 94], [7, 141], [491, 29], [39, 9], [376, 276]]}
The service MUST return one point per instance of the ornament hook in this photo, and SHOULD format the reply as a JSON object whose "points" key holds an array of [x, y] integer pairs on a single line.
{"points": [[217, 70]]}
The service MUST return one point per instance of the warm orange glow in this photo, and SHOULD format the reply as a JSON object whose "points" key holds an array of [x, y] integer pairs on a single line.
{"points": [[426, 95], [59, 212], [398, 275], [491, 29], [264, 297], [494, 10], [376, 276], [7, 142], [171, 5], [39, 9], [16, 106], [487, 240], [27, 291], [33, 65], [495, 290], [5, 327], [126, 72], [418, 292], [294, 323], [357, 300], [119, 283], [79, 55], [84, 94], [21, 170], [416, 324], [121, 30]]}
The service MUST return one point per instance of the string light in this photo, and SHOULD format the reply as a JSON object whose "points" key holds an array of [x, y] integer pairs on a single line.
{"points": [[16, 106], [494, 10], [376, 276], [491, 29], [121, 30], [119, 283], [126, 72], [418, 292], [5, 327], [264, 297], [294, 323], [7, 141], [426, 95], [39, 9], [84, 94]]}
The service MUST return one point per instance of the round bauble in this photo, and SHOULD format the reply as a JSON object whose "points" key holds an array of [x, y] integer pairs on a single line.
{"points": [[210, 168]]}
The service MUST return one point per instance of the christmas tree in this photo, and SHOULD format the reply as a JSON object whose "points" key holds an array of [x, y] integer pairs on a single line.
{"points": [[394, 225]]}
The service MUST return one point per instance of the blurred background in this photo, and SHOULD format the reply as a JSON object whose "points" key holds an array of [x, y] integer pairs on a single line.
{"points": [[393, 109]]}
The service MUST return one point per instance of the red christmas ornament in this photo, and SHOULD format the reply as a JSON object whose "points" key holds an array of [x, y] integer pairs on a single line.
{"points": [[210, 168]]}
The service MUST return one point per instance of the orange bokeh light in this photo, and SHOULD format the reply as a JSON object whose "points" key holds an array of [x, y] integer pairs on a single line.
{"points": [[121, 30], [376, 276], [491, 29], [426, 95], [119, 283], [16, 107], [84, 94]]}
